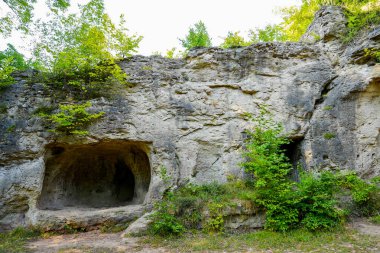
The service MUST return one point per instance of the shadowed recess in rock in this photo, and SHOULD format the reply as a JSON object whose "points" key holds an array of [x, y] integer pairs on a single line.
{"points": [[102, 175]]}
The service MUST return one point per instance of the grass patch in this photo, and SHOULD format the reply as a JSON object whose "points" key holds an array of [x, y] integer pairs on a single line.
{"points": [[375, 219], [199, 207], [15, 240], [340, 240], [328, 136]]}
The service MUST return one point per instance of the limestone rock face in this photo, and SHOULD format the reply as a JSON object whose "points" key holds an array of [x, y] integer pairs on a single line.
{"points": [[187, 116]]}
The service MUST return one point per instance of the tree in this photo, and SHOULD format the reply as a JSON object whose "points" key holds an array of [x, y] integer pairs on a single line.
{"points": [[197, 37], [269, 33], [10, 60], [81, 50], [233, 39], [360, 13], [19, 13]]}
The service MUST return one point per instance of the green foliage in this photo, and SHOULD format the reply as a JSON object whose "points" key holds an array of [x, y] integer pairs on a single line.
{"points": [[215, 223], [366, 195], [197, 37], [73, 119], [265, 158], [11, 128], [164, 221], [163, 173], [375, 219], [173, 53], [373, 54], [268, 34], [187, 205], [327, 108], [81, 51], [288, 204], [232, 40], [360, 14], [3, 108], [15, 240], [10, 61], [317, 204], [328, 136], [20, 12], [298, 240]]}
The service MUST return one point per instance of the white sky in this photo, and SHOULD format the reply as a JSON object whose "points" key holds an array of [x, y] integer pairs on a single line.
{"points": [[162, 22]]}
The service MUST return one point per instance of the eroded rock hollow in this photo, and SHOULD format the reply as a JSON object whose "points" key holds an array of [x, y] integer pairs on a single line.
{"points": [[105, 174]]}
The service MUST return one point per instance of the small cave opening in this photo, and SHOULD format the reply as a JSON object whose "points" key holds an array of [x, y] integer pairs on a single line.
{"points": [[102, 175], [294, 154]]}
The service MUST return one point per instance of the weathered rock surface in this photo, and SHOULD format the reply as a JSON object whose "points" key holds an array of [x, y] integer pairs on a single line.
{"points": [[187, 115]]}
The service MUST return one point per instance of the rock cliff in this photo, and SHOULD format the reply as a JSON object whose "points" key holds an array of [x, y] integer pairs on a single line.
{"points": [[187, 115]]}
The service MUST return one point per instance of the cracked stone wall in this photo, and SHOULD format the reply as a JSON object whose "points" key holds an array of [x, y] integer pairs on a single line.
{"points": [[190, 112]]}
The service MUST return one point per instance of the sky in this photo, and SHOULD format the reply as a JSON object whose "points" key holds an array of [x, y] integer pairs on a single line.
{"points": [[162, 22]]}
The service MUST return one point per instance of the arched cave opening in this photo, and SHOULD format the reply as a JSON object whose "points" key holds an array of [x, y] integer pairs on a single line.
{"points": [[101, 175]]}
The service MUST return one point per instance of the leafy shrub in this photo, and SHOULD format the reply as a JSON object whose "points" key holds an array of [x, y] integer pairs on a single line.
{"points": [[288, 204], [10, 61], [232, 40], [375, 219], [80, 52], [373, 54], [197, 37], [164, 221], [215, 221], [73, 119], [186, 207], [365, 195], [268, 34], [317, 203]]}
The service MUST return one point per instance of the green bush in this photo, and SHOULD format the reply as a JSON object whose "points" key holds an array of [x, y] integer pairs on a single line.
{"points": [[317, 203], [186, 207], [365, 195], [375, 219], [80, 51], [164, 221], [296, 19], [268, 34], [197, 37], [288, 204], [232, 40], [10, 61], [72, 119]]}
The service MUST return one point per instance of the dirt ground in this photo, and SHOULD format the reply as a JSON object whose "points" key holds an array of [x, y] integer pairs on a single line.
{"points": [[97, 242], [93, 241]]}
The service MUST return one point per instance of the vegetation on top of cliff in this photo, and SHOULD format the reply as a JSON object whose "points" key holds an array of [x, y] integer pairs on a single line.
{"points": [[81, 51], [73, 51], [196, 37], [360, 14], [296, 19], [10, 61]]}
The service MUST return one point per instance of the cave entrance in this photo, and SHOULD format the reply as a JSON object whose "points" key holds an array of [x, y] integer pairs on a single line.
{"points": [[293, 152], [101, 175]]}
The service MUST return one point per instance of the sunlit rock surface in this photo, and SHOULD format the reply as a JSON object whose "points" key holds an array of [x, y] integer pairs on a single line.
{"points": [[187, 115]]}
